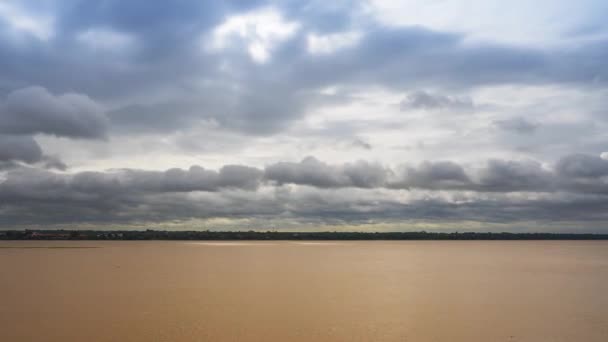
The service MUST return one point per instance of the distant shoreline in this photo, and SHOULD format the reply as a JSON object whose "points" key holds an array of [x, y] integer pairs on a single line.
{"points": [[129, 235], [47, 247]]}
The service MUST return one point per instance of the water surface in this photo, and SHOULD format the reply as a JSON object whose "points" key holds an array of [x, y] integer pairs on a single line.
{"points": [[304, 291]]}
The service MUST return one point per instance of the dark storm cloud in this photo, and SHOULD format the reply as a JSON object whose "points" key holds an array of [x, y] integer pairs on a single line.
{"points": [[508, 176], [261, 111], [582, 166], [126, 181], [106, 196], [313, 172], [495, 176], [147, 62], [166, 52], [363, 206], [147, 18], [360, 143], [424, 100], [518, 125], [34, 110], [501, 175], [321, 206], [403, 58], [19, 148], [434, 175], [53, 162], [159, 118], [164, 46], [335, 193]]}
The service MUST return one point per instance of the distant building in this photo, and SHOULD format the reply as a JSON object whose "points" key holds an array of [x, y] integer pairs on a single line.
{"points": [[49, 236]]}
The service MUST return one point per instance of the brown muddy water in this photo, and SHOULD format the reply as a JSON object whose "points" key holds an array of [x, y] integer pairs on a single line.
{"points": [[304, 291]]}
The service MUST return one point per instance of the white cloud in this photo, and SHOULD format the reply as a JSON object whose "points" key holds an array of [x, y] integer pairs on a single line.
{"points": [[604, 155], [516, 21], [40, 27], [326, 44], [261, 31]]}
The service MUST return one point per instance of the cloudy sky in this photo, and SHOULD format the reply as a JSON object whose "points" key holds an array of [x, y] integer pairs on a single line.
{"points": [[304, 115]]}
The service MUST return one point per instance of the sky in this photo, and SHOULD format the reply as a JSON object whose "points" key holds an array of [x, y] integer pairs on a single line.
{"points": [[370, 115]]}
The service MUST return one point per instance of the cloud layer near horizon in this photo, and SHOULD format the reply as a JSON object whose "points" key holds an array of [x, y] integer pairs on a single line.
{"points": [[430, 190], [439, 120]]}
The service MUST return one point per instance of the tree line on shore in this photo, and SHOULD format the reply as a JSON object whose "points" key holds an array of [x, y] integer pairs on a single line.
{"points": [[280, 235]]}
